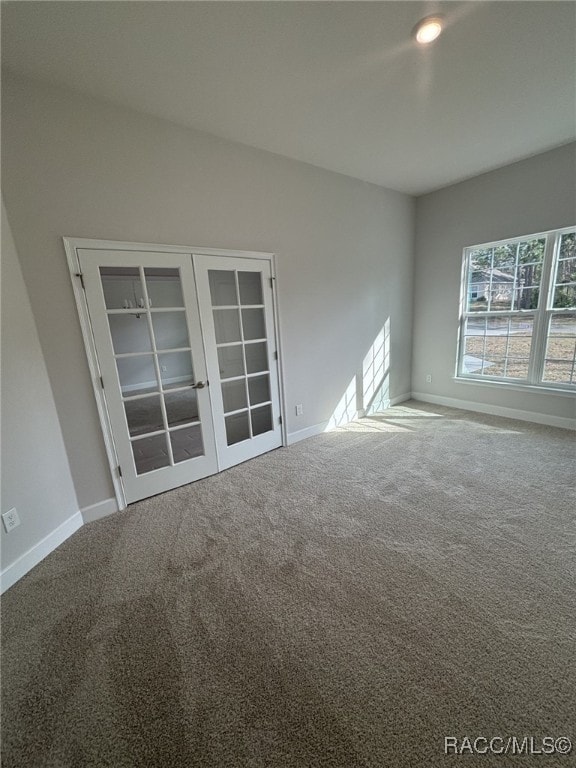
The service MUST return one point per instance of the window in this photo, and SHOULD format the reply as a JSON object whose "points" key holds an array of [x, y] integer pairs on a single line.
{"points": [[518, 320]]}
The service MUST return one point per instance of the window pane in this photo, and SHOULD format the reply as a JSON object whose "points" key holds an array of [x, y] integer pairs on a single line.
{"points": [[497, 346], [531, 251], [565, 297], [519, 346], [516, 368], [565, 278], [505, 277], [568, 245], [563, 325], [164, 287], [558, 372], [561, 350], [505, 255]]}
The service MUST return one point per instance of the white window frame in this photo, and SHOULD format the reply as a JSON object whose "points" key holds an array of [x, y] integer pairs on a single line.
{"points": [[542, 316]]}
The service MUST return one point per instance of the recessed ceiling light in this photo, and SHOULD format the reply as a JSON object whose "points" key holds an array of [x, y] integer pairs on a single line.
{"points": [[428, 29]]}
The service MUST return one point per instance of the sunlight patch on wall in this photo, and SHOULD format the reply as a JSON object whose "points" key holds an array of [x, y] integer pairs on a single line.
{"points": [[375, 373], [346, 410], [369, 389]]}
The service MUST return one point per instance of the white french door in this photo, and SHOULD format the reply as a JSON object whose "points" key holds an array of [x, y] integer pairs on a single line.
{"points": [[186, 349], [236, 306]]}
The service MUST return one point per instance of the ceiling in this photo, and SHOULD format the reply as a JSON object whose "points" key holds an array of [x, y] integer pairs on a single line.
{"points": [[340, 85]]}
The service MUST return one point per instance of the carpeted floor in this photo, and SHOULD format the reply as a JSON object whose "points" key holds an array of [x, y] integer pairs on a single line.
{"points": [[349, 601]]}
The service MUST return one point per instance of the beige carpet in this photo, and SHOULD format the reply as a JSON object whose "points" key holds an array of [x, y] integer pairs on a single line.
{"points": [[349, 601]]}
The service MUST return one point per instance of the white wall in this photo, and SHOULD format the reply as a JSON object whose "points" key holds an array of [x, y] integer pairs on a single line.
{"points": [[75, 166], [531, 196], [36, 475]]}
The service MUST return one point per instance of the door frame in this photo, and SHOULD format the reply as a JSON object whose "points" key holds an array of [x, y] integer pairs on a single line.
{"points": [[71, 247]]}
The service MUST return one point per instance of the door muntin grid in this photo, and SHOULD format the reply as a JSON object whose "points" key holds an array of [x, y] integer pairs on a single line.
{"points": [[238, 311], [151, 346]]}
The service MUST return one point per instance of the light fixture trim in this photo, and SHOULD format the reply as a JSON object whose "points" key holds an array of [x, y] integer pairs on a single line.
{"points": [[428, 29]]}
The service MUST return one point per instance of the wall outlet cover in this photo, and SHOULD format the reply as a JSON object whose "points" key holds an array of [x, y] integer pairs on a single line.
{"points": [[10, 519]]}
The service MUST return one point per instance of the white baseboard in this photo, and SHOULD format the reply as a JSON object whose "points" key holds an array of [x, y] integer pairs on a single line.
{"points": [[20, 567], [497, 410], [303, 434], [101, 509], [318, 429]]}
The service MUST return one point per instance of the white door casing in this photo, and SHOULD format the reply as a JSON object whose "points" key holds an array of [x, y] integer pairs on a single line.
{"points": [[199, 340]]}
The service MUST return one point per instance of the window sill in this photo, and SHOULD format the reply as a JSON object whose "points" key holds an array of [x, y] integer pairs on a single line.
{"points": [[534, 388]]}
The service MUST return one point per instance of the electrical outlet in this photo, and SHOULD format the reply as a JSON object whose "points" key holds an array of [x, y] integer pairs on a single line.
{"points": [[429, 378], [299, 409], [10, 519]]}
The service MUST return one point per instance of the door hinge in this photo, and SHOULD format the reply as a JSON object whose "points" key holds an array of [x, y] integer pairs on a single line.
{"points": [[275, 355], [81, 276], [119, 470], [271, 282], [279, 419], [101, 382]]}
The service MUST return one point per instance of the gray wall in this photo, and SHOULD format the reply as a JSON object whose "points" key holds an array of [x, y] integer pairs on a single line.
{"points": [[524, 198], [75, 166], [36, 475]]}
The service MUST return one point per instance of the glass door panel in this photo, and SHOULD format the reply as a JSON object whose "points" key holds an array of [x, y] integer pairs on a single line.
{"points": [[259, 389], [137, 374], [250, 285], [164, 287], [256, 357], [122, 287], [130, 333], [231, 361], [237, 428], [150, 453], [227, 326], [261, 420], [144, 415], [181, 407], [186, 443], [253, 324], [176, 369], [223, 288], [234, 395], [170, 330]]}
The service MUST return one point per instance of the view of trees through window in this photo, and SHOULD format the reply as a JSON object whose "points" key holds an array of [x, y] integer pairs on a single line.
{"points": [[519, 318]]}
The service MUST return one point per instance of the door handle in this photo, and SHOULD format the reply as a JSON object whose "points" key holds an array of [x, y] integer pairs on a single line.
{"points": [[199, 385]]}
